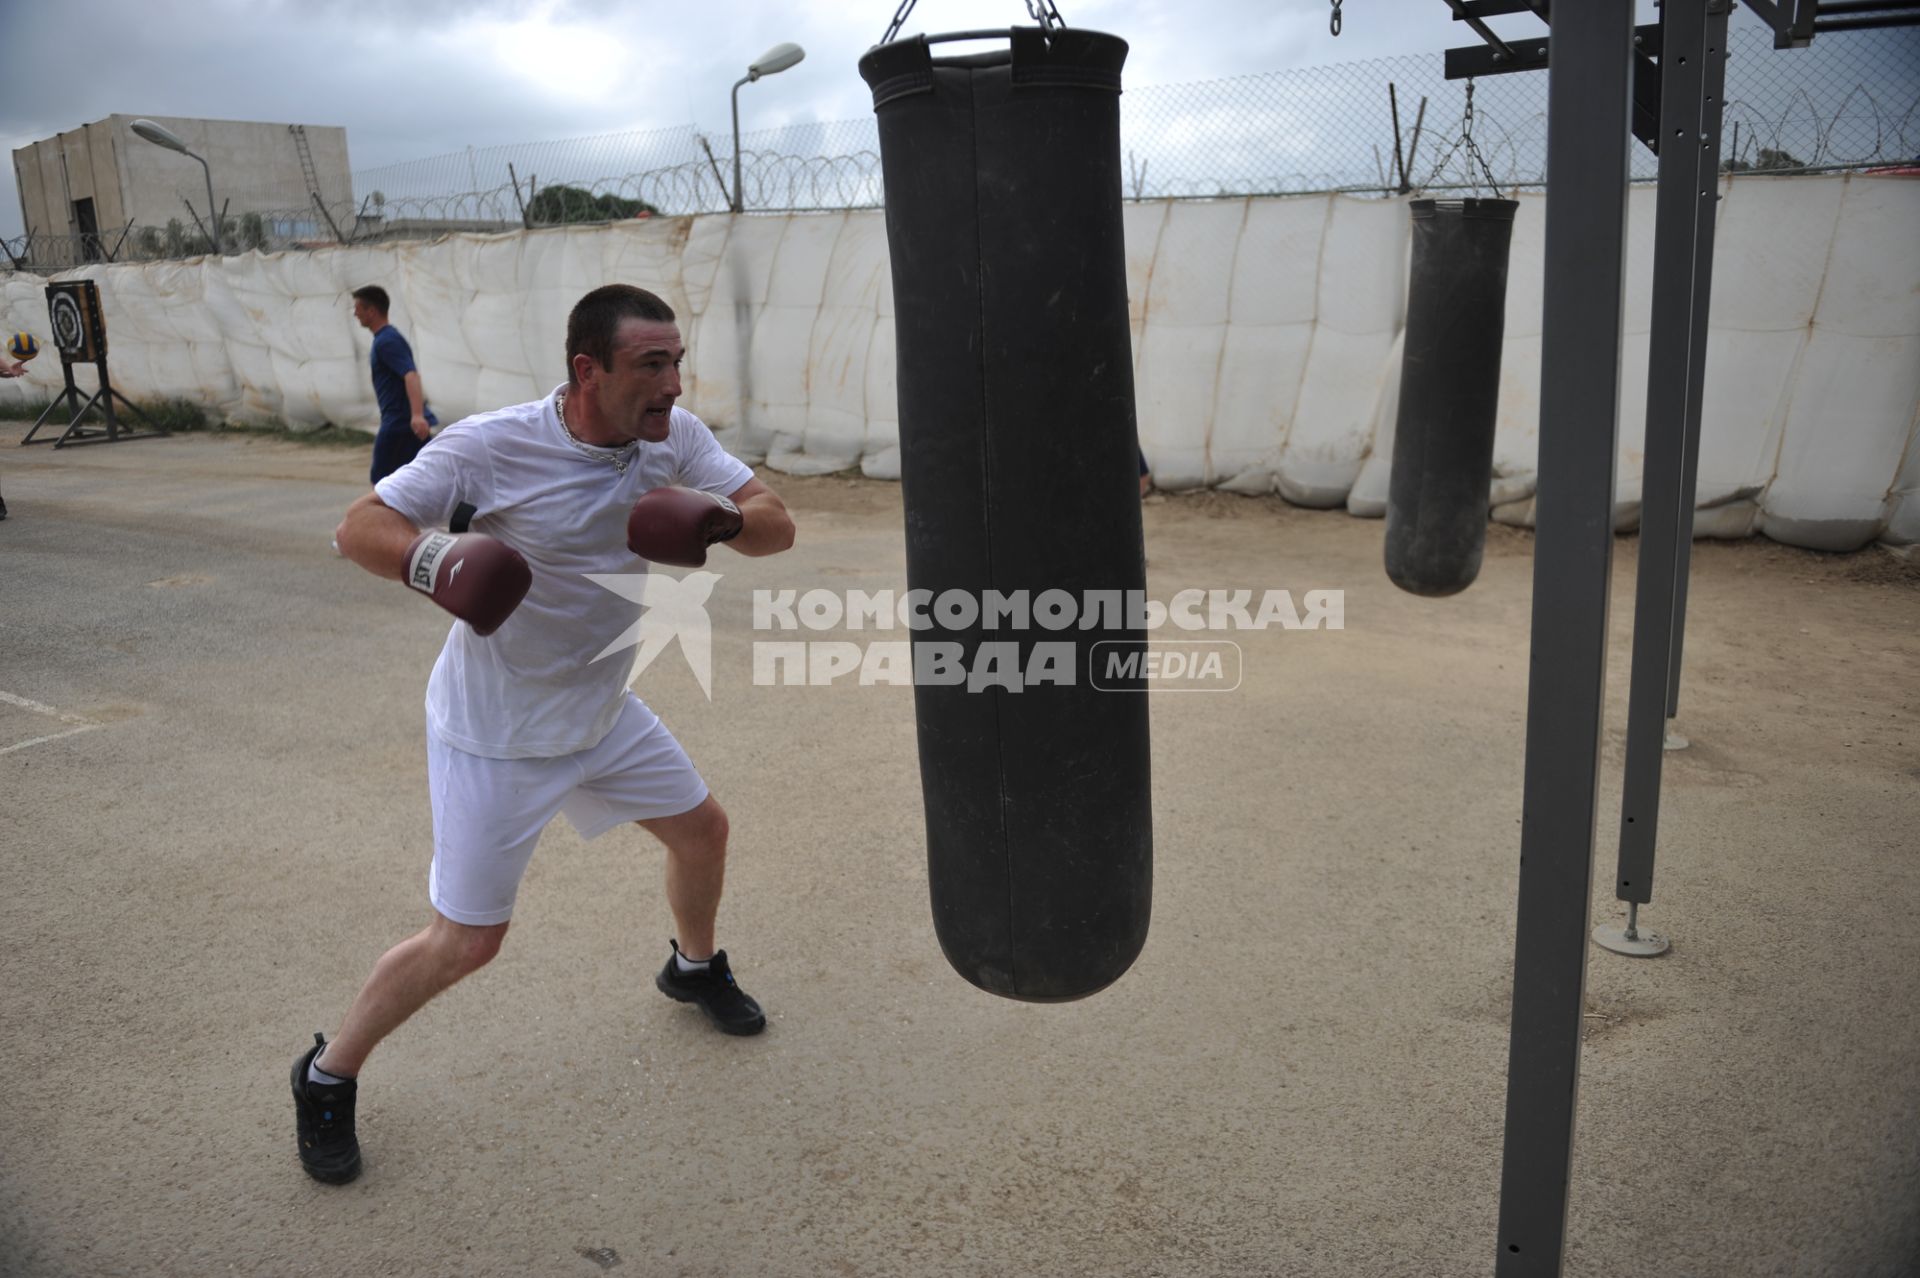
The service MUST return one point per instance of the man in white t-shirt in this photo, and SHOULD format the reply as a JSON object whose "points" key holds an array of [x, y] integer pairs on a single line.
{"points": [[525, 716]]}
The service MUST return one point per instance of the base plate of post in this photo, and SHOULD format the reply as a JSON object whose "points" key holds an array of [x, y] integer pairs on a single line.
{"points": [[1633, 942], [1674, 741]]}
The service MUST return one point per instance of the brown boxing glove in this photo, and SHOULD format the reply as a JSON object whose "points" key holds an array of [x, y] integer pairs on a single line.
{"points": [[676, 525], [471, 575]]}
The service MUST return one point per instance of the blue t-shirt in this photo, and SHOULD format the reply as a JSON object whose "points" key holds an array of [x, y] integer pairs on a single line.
{"points": [[392, 361]]}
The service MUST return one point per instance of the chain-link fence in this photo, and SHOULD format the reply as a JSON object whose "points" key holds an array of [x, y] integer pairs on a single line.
{"points": [[1848, 101]]}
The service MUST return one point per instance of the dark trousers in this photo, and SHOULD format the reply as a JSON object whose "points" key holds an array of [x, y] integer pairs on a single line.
{"points": [[393, 448]]}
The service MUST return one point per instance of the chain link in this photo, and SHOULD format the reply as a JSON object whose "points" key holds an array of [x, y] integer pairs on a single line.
{"points": [[899, 19], [1043, 12], [1480, 167], [1466, 138], [1333, 23]]}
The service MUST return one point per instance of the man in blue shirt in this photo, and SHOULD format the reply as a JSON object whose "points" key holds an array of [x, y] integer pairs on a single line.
{"points": [[406, 423]]}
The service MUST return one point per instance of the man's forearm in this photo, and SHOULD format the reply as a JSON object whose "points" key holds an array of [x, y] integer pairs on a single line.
{"points": [[376, 536], [766, 527], [416, 395]]}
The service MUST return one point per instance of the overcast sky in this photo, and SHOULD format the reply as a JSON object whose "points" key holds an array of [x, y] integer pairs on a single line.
{"points": [[410, 79]]}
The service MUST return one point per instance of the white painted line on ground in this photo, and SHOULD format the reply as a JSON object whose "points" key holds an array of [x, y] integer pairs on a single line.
{"points": [[87, 727], [81, 725], [47, 710]]}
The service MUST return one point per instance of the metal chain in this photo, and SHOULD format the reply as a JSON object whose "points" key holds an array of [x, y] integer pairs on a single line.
{"points": [[1041, 11], [1466, 140], [899, 20], [1044, 13], [1333, 23]]}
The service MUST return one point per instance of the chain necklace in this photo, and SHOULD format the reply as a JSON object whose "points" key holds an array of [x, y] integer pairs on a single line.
{"points": [[618, 458]]}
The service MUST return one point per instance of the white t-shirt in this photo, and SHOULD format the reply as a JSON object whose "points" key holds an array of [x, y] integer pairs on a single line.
{"points": [[532, 688]]}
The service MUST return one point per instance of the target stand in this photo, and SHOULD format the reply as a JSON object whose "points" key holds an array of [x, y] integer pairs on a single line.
{"points": [[80, 333]]}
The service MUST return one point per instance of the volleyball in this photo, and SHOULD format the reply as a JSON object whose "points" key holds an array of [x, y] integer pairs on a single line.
{"points": [[22, 346]]}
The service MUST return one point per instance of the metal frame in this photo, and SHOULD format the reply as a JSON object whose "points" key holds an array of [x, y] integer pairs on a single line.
{"points": [[1691, 85], [1588, 105], [82, 299], [1796, 22], [1669, 82], [78, 431]]}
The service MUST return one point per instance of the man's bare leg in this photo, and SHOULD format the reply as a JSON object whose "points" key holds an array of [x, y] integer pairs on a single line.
{"points": [[696, 872], [406, 979], [696, 844]]}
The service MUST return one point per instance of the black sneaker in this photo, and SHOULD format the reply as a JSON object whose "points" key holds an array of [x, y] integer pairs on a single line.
{"points": [[323, 1117], [718, 994]]}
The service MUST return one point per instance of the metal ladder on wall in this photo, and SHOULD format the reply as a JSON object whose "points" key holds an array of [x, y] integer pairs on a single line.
{"points": [[312, 177]]}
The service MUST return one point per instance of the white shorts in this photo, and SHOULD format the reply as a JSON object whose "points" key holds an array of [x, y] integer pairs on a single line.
{"points": [[488, 813]]}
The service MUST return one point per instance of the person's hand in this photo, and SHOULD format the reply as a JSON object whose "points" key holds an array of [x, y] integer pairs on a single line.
{"points": [[420, 426], [12, 367], [676, 525]]}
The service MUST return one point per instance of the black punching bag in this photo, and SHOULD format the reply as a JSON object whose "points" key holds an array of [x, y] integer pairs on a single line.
{"points": [[1019, 477], [1437, 490]]}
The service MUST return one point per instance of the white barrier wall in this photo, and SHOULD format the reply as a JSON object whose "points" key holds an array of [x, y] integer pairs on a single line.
{"points": [[1266, 343]]}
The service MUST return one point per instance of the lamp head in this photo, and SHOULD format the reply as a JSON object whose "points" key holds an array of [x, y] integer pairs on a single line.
{"points": [[159, 136], [775, 60]]}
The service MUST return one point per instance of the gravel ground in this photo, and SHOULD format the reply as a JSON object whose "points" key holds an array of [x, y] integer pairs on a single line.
{"points": [[221, 820]]}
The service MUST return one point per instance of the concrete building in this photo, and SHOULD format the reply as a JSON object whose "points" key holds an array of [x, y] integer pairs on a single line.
{"points": [[90, 182]]}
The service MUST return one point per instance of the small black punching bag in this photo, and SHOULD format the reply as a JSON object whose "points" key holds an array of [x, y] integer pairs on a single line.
{"points": [[1437, 489], [1019, 477]]}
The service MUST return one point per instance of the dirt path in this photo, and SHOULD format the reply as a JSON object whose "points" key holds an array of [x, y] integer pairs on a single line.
{"points": [[1303, 1074]]}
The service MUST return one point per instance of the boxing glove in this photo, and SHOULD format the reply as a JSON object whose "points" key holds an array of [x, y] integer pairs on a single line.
{"points": [[676, 525], [471, 575]]}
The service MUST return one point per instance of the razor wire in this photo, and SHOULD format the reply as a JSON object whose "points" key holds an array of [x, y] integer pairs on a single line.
{"points": [[1848, 101]]}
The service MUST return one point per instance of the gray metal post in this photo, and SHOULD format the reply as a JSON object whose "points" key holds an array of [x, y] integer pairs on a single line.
{"points": [[739, 202], [1684, 202], [1588, 103], [1710, 121], [213, 210]]}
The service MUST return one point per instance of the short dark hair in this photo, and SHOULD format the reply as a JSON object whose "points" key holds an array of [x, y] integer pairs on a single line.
{"points": [[373, 295], [597, 316]]}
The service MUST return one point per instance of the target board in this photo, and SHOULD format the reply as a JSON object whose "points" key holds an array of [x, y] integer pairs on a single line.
{"points": [[79, 328], [80, 335]]}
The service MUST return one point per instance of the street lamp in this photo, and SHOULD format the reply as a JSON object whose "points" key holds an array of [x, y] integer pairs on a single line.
{"points": [[160, 136], [772, 62]]}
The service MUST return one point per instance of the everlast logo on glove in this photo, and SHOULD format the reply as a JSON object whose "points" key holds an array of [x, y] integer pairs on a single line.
{"points": [[496, 579], [427, 554]]}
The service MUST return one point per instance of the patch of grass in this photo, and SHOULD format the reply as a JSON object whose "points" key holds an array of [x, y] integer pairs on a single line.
{"points": [[184, 416], [23, 410], [326, 436], [177, 415]]}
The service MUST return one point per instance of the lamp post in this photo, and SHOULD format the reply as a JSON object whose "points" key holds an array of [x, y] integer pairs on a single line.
{"points": [[772, 62], [160, 136]]}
